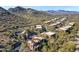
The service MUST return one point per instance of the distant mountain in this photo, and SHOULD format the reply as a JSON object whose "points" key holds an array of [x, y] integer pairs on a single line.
{"points": [[4, 11], [20, 9], [4, 14], [62, 12], [30, 10], [17, 9], [27, 11]]}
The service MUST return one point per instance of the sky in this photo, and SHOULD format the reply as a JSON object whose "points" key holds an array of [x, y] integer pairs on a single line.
{"points": [[44, 8]]}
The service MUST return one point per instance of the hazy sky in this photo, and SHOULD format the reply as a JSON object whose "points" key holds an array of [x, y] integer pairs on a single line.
{"points": [[69, 8]]}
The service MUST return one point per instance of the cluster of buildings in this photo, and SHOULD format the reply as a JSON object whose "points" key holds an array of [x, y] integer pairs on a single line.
{"points": [[58, 23], [37, 40], [34, 40], [67, 27]]}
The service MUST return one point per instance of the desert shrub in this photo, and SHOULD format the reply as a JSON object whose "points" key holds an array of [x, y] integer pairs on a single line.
{"points": [[68, 47], [7, 33]]}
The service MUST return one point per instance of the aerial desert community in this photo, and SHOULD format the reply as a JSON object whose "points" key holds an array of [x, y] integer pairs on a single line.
{"points": [[29, 30]]}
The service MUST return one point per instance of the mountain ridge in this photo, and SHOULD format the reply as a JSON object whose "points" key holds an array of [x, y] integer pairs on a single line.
{"points": [[63, 12]]}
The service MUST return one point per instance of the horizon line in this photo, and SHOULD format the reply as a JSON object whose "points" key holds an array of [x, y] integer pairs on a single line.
{"points": [[46, 8]]}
